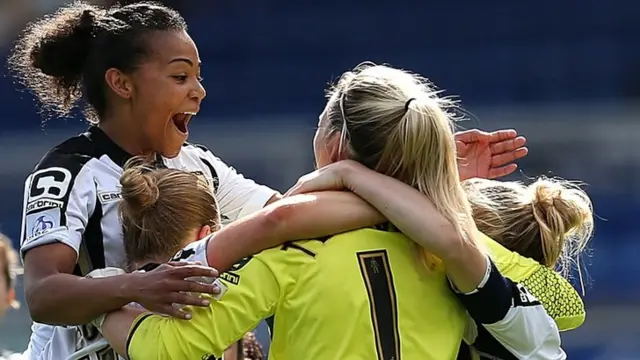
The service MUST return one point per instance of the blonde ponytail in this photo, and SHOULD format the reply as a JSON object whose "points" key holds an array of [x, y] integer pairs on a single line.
{"points": [[394, 122]]}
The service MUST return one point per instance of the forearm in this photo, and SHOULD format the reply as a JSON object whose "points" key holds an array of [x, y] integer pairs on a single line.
{"points": [[117, 326], [293, 218], [417, 217], [465, 265], [50, 298]]}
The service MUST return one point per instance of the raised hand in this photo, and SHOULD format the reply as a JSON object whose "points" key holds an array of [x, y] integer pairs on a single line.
{"points": [[488, 155]]}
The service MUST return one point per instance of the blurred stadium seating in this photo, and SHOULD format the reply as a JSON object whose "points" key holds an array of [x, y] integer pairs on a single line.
{"points": [[565, 74]]}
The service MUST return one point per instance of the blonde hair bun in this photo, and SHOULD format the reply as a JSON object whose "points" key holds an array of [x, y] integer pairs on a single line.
{"points": [[139, 190], [564, 213]]}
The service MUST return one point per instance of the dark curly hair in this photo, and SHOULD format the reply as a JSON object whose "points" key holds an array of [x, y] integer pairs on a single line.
{"points": [[62, 58]]}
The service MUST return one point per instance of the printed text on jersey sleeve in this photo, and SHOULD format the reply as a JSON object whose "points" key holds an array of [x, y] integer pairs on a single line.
{"points": [[55, 203]]}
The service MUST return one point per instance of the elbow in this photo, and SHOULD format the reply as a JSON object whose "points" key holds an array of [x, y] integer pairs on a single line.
{"points": [[35, 303], [40, 301]]}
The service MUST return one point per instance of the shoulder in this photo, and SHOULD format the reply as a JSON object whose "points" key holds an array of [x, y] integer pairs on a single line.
{"points": [[61, 168], [511, 264], [279, 258], [561, 301], [199, 152], [73, 152], [195, 251], [196, 157]]}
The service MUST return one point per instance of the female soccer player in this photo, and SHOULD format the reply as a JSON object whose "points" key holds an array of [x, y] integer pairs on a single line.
{"points": [[549, 221], [354, 294], [138, 71]]}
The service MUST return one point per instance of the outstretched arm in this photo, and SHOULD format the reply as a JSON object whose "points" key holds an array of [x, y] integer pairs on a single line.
{"points": [[304, 216], [410, 211]]}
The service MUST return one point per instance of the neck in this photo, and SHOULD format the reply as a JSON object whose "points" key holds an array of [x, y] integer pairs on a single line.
{"points": [[124, 136]]}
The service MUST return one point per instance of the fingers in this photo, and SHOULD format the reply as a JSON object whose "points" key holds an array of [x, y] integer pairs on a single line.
{"points": [[502, 135], [196, 287], [499, 172], [171, 311], [508, 145], [186, 271], [471, 136], [508, 157], [186, 299], [183, 263]]}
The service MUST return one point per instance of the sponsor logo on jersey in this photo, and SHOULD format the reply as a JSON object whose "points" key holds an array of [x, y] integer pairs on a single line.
{"points": [[51, 183], [525, 298], [43, 204], [41, 222], [41, 225], [230, 277], [109, 196]]}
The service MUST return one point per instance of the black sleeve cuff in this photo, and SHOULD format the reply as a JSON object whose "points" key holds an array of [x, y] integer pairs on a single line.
{"points": [[491, 302]]}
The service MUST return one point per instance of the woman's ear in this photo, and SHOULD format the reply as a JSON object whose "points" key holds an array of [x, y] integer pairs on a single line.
{"points": [[204, 231], [120, 83], [335, 151]]}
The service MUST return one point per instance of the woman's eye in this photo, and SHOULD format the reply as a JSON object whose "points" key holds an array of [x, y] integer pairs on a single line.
{"points": [[181, 78]]}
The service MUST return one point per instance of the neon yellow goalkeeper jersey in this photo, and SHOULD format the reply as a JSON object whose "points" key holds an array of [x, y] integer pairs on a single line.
{"points": [[359, 295]]}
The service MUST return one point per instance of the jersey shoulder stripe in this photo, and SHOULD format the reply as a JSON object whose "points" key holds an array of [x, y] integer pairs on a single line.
{"points": [[72, 152]]}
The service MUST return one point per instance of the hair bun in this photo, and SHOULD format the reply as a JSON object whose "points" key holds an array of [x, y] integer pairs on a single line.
{"points": [[139, 191], [64, 44], [565, 215]]}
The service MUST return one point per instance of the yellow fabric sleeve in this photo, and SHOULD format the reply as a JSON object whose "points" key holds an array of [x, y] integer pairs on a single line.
{"points": [[558, 297], [253, 293]]}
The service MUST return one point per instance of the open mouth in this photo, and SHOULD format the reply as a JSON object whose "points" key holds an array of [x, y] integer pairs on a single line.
{"points": [[181, 120]]}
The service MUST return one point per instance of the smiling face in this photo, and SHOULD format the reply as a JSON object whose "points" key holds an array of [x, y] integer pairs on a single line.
{"points": [[167, 91]]}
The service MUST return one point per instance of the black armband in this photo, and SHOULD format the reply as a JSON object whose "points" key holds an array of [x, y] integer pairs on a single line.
{"points": [[491, 301]]}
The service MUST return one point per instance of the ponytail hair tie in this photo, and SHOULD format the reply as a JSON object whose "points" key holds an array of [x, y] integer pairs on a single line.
{"points": [[406, 105]]}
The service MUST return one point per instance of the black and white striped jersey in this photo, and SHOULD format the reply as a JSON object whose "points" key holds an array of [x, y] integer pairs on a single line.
{"points": [[73, 193]]}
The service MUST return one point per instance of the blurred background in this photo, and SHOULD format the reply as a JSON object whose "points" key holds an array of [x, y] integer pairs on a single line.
{"points": [[563, 73]]}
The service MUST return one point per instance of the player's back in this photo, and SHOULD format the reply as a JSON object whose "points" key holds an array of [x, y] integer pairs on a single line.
{"points": [[366, 295]]}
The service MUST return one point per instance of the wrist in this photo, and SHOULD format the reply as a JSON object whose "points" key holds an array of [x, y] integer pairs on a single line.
{"points": [[349, 171], [124, 289]]}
